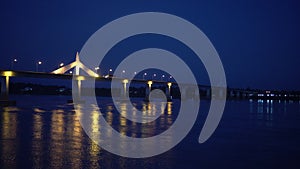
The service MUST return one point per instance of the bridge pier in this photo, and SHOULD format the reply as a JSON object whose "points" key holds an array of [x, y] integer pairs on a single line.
{"points": [[77, 93], [5, 88], [124, 91], [148, 90], [4, 97], [168, 92]]}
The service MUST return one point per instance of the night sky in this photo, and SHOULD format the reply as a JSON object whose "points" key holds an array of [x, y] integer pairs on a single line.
{"points": [[258, 41]]}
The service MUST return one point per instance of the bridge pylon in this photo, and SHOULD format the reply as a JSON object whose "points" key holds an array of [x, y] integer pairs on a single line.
{"points": [[77, 65]]}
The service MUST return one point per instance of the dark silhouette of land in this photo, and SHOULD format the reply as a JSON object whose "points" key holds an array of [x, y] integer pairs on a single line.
{"points": [[38, 89]]}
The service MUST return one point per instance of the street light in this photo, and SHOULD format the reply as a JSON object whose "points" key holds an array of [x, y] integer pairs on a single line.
{"points": [[134, 74], [109, 72], [96, 69], [37, 65], [170, 78], [154, 75], [123, 71], [61, 64], [162, 77], [13, 62], [145, 74]]}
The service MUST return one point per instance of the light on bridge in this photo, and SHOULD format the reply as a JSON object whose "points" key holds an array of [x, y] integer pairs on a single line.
{"points": [[125, 81], [80, 78], [150, 83], [8, 73], [169, 85]]}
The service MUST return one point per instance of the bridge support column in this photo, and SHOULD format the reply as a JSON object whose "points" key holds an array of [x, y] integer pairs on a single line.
{"points": [[4, 97], [5, 88], [147, 92], [124, 91], [77, 85], [168, 92]]}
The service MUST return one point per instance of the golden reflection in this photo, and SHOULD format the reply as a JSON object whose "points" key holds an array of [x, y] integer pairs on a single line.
{"points": [[37, 146], [153, 110], [94, 149], [169, 108], [123, 113], [169, 119], [57, 140], [37, 126], [122, 119], [9, 131], [109, 119], [9, 125], [38, 110], [162, 108], [148, 129], [94, 155], [95, 127], [74, 139], [95, 122], [144, 109]]}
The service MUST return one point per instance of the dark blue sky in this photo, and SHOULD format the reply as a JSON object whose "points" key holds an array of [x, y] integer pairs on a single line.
{"points": [[258, 41]]}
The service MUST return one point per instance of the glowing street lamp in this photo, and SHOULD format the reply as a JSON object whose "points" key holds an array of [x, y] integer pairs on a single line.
{"points": [[163, 76], [110, 72], [134, 74], [123, 72], [145, 74], [97, 69], [13, 62], [154, 75], [37, 65], [61, 64]]}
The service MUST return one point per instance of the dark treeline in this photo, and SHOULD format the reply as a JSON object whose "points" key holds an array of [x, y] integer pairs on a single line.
{"points": [[38, 89]]}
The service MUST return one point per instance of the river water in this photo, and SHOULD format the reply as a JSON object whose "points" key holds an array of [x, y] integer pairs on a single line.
{"points": [[45, 132]]}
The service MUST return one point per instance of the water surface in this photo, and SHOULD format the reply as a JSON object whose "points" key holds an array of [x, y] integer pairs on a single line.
{"points": [[45, 132]]}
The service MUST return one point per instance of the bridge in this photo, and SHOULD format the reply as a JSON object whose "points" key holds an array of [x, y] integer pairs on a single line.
{"points": [[77, 65], [189, 91]]}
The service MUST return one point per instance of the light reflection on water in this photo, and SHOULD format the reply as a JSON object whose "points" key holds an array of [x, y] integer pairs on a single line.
{"points": [[50, 136], [9, 133]]}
